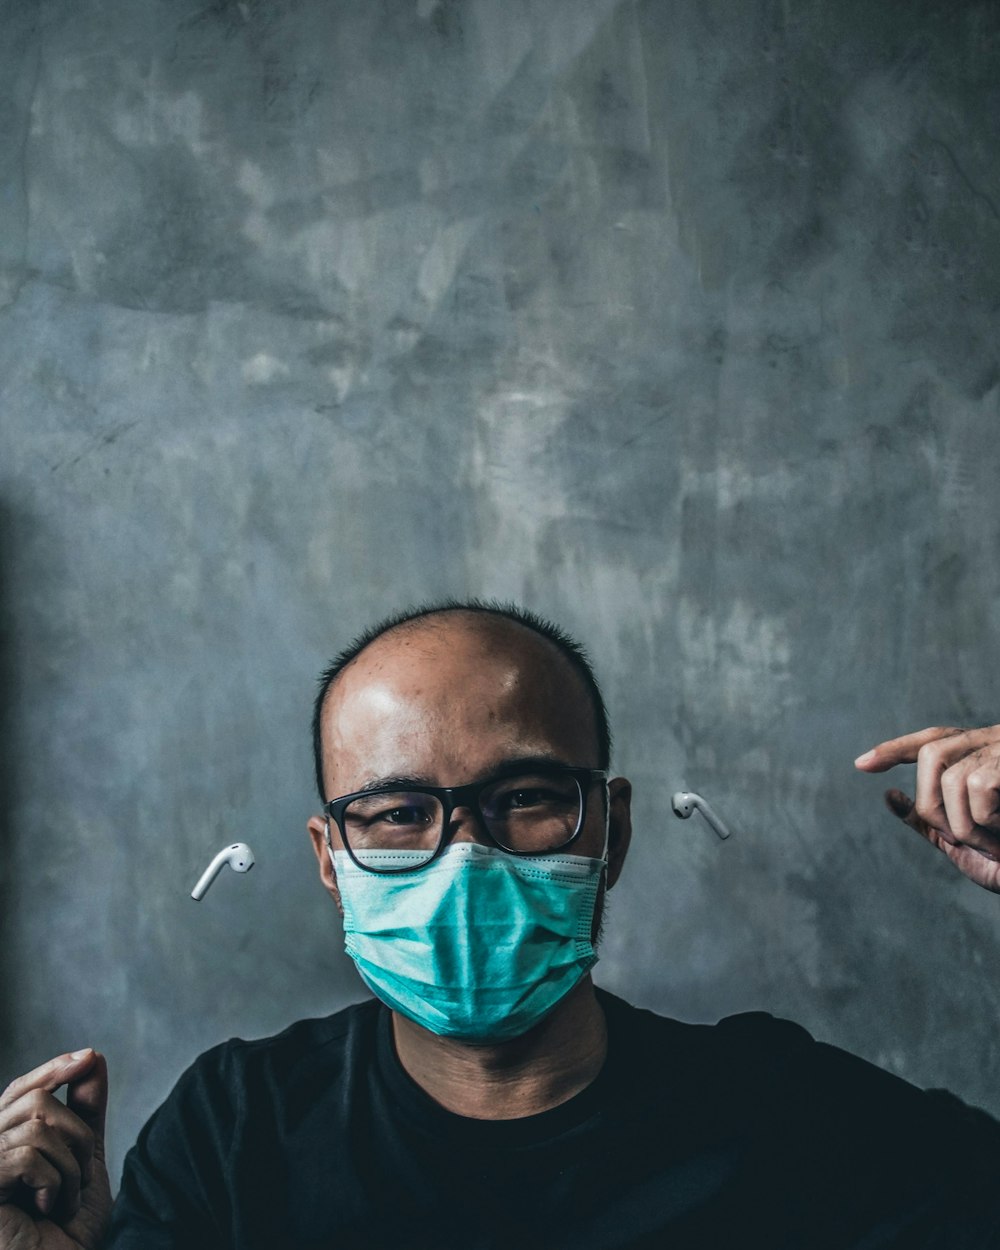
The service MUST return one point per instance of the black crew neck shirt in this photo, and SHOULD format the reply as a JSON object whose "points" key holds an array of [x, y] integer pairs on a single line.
{"points": [[742, 1134]]}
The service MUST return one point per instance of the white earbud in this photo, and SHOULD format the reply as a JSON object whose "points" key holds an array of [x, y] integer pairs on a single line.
{"points": [[239, 857], [684, 802]]}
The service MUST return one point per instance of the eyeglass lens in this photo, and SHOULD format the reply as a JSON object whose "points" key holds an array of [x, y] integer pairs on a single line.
{"points": [[531, 813]]}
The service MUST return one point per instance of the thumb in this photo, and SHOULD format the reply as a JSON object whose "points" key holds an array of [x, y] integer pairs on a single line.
{"points": [[903, 807], [88, 1097]]}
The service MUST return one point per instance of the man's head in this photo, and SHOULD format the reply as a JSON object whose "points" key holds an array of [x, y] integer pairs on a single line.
{"points": [[475, 611], [449, 695]]}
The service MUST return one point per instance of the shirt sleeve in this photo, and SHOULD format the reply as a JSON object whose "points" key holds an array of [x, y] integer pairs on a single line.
{"points": [[174, 1193]]}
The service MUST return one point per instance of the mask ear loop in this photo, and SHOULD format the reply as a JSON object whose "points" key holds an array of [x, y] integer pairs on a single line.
{"points": [[607, 827]]}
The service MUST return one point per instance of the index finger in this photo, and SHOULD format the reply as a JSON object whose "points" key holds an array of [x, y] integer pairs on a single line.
{"points": [[49, 1076], [904, 750]]}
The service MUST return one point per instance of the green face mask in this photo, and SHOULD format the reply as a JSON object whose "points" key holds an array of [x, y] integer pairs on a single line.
{"points": [[478, 945]]}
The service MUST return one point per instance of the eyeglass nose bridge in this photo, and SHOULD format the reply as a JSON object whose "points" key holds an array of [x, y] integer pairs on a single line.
{"points": [[467, 796]]}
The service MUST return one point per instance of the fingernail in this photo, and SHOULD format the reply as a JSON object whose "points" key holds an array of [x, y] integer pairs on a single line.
{"points": [[44, 1199], [866, 758], [81, 1054]]}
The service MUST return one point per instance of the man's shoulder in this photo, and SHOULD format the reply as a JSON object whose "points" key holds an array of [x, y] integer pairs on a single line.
{"points": [[307, 1035], [772, 1070], [738, 1060], [750, 1036], [312, 1049]]}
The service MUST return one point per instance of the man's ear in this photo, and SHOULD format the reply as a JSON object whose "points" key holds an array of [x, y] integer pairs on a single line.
{"points": [[619, 825], [319, 831]]}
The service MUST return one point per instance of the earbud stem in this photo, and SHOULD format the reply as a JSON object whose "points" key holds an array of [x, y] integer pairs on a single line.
{"points": [[208, 876]]}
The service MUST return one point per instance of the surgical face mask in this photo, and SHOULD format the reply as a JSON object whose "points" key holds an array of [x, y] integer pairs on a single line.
{"points": [[480, 944]]}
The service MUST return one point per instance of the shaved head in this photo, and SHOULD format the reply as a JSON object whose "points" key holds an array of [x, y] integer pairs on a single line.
{"points": [[490, 653]]}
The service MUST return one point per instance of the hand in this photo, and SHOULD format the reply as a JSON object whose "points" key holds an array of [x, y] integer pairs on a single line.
{"points": [[54, 1191], [957, 806]]}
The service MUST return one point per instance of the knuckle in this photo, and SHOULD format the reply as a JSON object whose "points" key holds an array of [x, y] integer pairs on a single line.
{"points": [[10, 1096], [25, 1158], [18, 1137], [927, 812], [929, 755], [980, 783], [36, 1104], [23, 1084]]}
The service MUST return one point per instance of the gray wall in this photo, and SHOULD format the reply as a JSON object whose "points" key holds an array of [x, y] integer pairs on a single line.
{"points": [[677, 321]]}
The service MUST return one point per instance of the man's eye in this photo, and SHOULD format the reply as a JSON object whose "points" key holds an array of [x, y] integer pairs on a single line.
{"points": [[403, 816], [528, 798]]}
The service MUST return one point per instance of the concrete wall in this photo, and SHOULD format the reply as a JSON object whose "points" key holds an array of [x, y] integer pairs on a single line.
{"points": [[676, 321]]}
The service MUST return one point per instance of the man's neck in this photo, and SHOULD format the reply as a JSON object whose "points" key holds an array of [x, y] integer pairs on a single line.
{"points": [[556, 1059]]}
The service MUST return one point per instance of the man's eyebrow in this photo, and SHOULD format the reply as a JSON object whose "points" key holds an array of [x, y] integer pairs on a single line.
{"points": [[393, 783], [525, 763], [502, 768]]}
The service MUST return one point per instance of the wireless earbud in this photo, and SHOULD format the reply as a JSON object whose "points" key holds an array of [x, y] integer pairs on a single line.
{"points": [[239, 857], [684, 802]]}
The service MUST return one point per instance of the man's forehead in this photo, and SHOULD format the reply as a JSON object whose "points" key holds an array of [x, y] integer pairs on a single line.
{"points": [[423, 685], [426, 652]]}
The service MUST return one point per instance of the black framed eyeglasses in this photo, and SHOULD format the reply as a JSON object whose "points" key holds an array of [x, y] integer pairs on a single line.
{"points": [[531, 811]]}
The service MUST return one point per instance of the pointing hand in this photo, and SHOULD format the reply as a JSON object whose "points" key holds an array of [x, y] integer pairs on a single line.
{"points": [[957, 802]]}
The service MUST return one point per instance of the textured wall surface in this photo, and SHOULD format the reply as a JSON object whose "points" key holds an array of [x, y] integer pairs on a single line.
{"points": [[677, 321]]}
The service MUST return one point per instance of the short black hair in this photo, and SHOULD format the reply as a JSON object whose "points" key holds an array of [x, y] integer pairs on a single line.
{"points": [[568, 647]]}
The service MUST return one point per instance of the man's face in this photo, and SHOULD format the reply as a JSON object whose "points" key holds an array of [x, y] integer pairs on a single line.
{"points": [[451, 701]]}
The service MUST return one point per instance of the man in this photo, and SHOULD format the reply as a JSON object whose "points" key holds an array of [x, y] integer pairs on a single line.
{"points": [[490, 1096]]}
